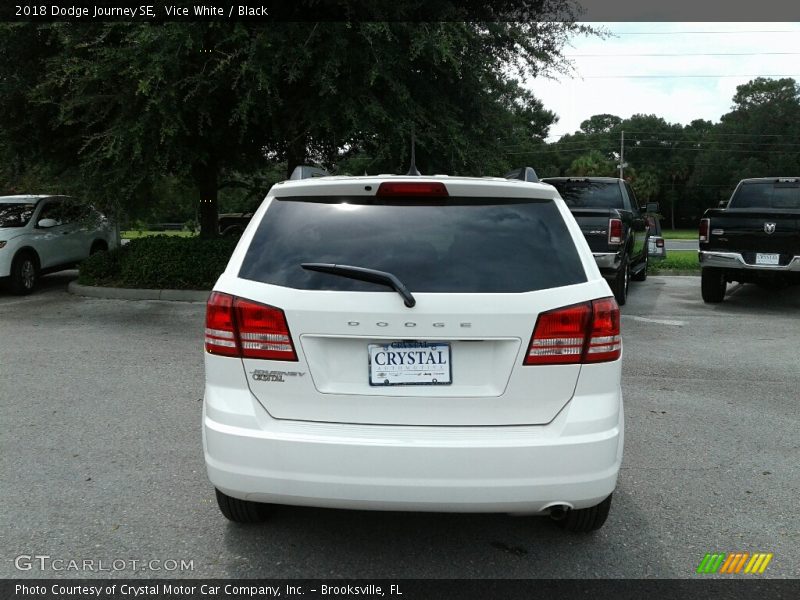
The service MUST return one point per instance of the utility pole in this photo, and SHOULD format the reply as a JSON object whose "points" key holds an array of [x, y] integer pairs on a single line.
{"points": [[621, 154]]}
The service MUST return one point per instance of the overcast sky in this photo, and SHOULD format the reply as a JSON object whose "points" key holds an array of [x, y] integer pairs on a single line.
{"points": [[699, 83]]}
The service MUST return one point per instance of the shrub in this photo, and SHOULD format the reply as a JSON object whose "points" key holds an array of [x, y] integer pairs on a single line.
{"points": [[160, 262]]}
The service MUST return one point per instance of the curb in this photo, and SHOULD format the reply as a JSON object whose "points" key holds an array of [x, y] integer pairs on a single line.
{"points": [[675, 272], [112, 293]]}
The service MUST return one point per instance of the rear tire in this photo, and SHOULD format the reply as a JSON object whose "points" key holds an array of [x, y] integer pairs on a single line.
{"points": [[24, 274], [620, 284], [242, 511], [584, 520], [712, 285], [98, 246]]}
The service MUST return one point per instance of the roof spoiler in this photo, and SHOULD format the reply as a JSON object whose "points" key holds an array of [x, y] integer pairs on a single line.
{"points": [[305, 172], [523, 174]]}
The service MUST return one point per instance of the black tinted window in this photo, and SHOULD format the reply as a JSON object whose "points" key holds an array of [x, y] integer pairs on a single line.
{"points": [[450, 245], [16, 214], [589, 194], [764, 194]]}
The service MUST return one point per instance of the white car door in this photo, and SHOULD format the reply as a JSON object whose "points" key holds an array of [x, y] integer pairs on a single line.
{"points": [[56, 245]]}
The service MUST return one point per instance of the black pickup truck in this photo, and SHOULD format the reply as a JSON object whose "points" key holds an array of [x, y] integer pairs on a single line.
{"points": [[233, 223], [753, 238], [612, 223]]}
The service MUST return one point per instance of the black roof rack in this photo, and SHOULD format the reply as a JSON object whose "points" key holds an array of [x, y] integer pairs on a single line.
{"points": [[524, 174], [305, 172]]}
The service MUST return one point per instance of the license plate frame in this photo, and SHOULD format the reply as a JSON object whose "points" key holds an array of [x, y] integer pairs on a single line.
{"points": [[392, 375], [768, 259]]}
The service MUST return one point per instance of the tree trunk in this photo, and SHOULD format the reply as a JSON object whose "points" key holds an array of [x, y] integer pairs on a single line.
{"points": [[296, 154], [672, 205], [205, 178]]}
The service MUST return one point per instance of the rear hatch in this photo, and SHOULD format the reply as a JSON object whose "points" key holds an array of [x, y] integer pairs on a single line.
{"points": [[479, 269], [762, 217]]}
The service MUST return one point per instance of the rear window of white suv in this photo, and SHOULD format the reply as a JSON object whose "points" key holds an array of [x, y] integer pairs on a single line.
{"points": [[466, 245]]}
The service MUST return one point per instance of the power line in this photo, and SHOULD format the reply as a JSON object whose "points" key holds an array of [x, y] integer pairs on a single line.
{"points": [[684, 54], [705, 137], [705, 32], [633, 148], [662, 76], [707, 134]]}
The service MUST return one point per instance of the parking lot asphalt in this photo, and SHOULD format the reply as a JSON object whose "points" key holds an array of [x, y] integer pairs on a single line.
{"points": [[101, 455]]}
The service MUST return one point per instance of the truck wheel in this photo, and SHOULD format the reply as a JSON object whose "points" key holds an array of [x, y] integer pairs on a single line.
{"points": [[620, 284], [233, 231], [98, 246], [24, 274], [241, 511], [712, 285], [584, 520]]}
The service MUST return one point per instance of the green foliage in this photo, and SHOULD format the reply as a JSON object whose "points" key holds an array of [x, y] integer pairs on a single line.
{"points": [[680, 234], [160, 262], [116, 108], [592, 164], [645, 186], [676, 260]]}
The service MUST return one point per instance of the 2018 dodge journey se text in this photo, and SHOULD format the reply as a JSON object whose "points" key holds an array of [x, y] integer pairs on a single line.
{"points": [[414, 343]]}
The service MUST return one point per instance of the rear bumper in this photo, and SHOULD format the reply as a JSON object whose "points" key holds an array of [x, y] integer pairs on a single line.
{"points": [[573, 461], [735, 260], [607, 260]]}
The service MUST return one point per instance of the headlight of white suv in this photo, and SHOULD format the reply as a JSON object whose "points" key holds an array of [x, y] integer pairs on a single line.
{"points": [[2, 244]]}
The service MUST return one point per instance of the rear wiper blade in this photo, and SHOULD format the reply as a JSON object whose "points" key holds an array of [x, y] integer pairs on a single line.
{"points": [[364, 274]]}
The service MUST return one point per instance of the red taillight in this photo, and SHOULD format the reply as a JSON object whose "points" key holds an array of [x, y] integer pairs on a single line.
{"points": [[583, 333], [604, 342], [263, 332], [705, 225], [220, 329], [412, 188], [660, 243], [614, 231], [559, 336], [237, 327]]}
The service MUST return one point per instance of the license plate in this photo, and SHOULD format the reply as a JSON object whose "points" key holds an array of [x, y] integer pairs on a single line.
{"points": [[767, 259], [410, 363]]}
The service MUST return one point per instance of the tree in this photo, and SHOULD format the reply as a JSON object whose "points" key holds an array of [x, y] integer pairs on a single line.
{"points": [[646, 186], [592, 164], [124, 104], [604, 123]]}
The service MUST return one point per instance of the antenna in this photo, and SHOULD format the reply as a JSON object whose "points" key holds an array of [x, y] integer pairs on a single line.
{"points": [[412, 170]]}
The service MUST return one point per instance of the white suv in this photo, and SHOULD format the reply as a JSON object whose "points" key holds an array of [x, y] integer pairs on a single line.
{"points": [[42, 234], [414, 343]]}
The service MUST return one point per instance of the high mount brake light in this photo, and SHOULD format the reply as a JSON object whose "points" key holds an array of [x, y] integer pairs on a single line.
{"points": [[246, 329], [434, 189], [705, 226], [614, 231], [582, 333]]}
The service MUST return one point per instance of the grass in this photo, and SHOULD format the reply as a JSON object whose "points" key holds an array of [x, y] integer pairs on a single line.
{"points": [[132, 235], [679, 234], [677, 260]]}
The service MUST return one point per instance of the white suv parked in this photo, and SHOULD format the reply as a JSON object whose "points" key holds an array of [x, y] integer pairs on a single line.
{"points": [[42, 234], [414, 343]]}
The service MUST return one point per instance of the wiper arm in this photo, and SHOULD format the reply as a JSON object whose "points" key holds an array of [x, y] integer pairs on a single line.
{"points": [[364, 274]]}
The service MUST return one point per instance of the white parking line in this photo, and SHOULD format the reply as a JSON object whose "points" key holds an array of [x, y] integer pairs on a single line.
{"points": [[659, 321]]}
